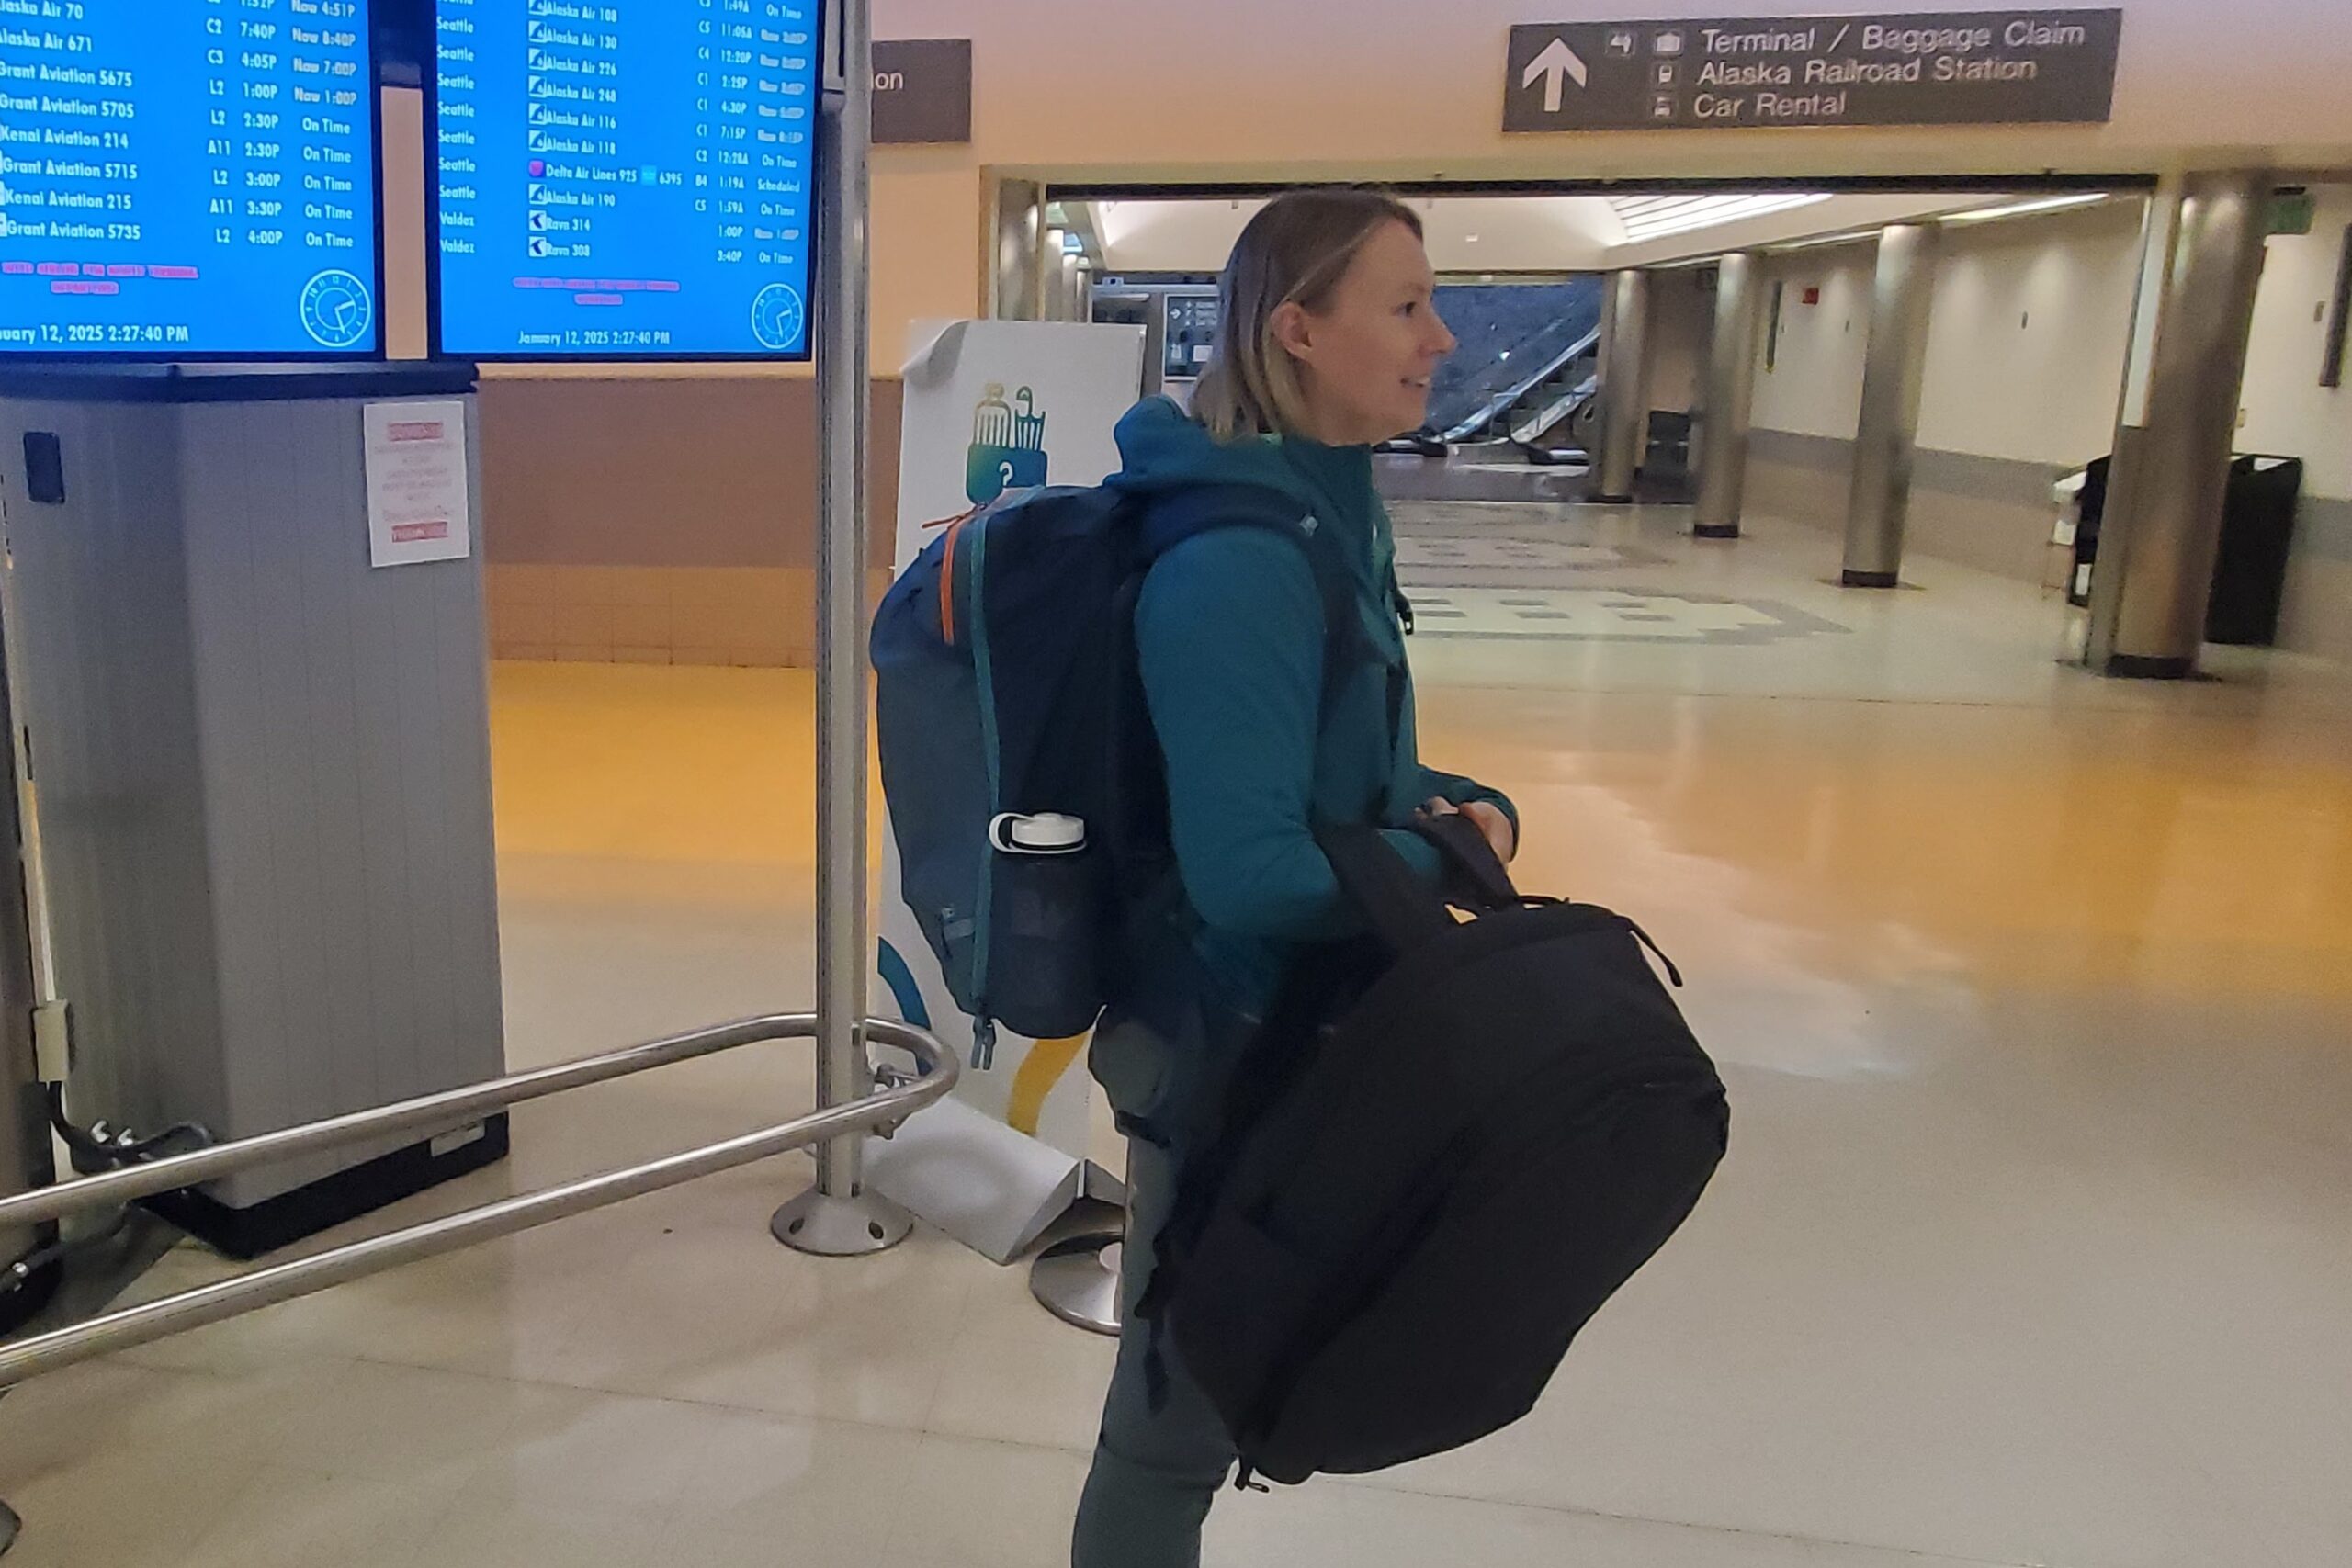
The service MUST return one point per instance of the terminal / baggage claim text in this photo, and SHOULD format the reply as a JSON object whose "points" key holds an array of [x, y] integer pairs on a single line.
{"points": [[1943, 69]]}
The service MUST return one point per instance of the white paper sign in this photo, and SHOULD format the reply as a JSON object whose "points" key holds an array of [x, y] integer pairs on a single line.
{"points": [[420, 488]]}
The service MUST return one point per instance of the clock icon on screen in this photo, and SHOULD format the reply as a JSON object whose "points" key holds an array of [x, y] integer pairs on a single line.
{"points": [[778, 317], [337, 310]]}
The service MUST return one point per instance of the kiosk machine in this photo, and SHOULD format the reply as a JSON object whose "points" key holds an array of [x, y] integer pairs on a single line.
{"points": [[244, 610]]}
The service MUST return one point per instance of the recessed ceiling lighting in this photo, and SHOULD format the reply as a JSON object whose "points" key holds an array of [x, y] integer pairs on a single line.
{"points": [[2019, 208], [1656, 217], [1851, 237]]}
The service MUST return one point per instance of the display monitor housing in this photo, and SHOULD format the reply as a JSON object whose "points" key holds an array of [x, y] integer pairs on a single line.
{"points": [[624, 180], [183, 181]]}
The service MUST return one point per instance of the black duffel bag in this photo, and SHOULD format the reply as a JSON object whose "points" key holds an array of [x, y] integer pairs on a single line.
{"points": [[1409, 1213]]}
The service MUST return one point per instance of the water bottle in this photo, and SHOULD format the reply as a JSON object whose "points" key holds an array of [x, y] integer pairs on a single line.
{"points": [[1044, 926]]}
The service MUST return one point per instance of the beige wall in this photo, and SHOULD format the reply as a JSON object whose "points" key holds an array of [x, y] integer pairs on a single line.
{"points": [[2024, 366], [1815, 384], [2286, 408], [1396, 89], [2031, 326], [1682, 320], [1404, 89]]}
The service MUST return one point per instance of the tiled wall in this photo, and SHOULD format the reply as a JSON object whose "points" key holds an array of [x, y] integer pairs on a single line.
{"points": [[750, 615], [662, 522]]}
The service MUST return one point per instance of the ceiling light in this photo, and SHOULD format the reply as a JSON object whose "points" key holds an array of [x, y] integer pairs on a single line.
{"points": [[2019, 208], [1851, 237], [1655, 217]]}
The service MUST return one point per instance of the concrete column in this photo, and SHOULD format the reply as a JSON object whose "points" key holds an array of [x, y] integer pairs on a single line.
{"points": [[1017, 278], [1730, 397], [1625, 385], [2162, 528], [1892, 379]]}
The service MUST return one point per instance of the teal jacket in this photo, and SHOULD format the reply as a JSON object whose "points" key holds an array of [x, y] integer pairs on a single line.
{"points": [[1229, 638]]}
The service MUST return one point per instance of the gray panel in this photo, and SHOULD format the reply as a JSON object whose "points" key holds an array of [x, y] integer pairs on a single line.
{"points": [[331, 709], [101, 598], [2005, 480], [264, 776], [1829, 453], [2323, 528]]}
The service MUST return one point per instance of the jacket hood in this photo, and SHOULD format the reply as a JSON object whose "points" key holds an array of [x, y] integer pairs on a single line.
{"points": [[1164, 448]]}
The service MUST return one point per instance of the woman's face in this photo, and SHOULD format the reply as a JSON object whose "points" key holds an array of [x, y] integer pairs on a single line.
{"points": [[1366, 357]]}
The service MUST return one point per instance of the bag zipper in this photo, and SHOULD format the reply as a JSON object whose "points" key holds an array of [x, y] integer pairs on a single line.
{"points": [[948, 581]]}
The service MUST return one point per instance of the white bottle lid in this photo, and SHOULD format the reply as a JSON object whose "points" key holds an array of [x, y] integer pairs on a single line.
{"points": [[1048, 834]]}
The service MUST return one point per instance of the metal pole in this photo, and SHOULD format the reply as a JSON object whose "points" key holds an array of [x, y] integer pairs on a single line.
{"points": [[2159, 229], [1731, 398], [1016, 281], [1892, 381], [1625, 385], [839, 1217], [2163, 526]]}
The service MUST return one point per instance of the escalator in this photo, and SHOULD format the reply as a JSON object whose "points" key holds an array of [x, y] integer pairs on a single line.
{"points": [[1522, 378], [1549, 418]]}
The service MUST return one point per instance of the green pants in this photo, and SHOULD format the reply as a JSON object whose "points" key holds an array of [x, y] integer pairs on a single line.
{"points": [[1155, 1472]]}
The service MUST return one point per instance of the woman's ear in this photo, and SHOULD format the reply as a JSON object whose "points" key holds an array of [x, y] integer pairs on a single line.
{"points": [[1293, 329]]}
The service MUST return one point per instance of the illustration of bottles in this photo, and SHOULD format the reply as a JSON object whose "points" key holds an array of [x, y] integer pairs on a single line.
{"points": [[1008, 446]]}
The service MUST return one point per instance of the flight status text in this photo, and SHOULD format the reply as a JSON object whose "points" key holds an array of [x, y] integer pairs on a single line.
{"points": [[630, 179], [187, 178]]}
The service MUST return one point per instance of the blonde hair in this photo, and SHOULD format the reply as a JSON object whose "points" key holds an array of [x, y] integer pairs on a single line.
{"points": [[1296, 251]]}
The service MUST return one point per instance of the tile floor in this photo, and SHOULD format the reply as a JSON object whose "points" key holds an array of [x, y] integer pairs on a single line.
{"points": [[2033, 991]]}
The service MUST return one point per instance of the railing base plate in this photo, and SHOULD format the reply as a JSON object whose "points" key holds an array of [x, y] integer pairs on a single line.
{"points": [[841, 1227], [1077, 1281]]}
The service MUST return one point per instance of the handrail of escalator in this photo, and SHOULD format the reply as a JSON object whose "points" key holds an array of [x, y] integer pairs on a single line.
{"points": [[898, 1097], [1558, 413], [1503, 402]]}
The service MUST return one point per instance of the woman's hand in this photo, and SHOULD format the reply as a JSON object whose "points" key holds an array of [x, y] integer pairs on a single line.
{"points": [[1492, 822]]}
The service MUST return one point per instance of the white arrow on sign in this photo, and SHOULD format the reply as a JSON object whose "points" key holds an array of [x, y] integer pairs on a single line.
{"points": [[1554, 67]]}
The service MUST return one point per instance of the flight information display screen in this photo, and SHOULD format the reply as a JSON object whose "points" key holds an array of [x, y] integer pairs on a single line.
{"points": [[188, 179], [625, 178]]}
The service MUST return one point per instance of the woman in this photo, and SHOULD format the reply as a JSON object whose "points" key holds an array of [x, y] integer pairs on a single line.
{"points": [[1328, 340]]}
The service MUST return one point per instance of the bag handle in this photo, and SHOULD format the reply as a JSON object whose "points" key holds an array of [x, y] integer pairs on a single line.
{"points": [[1482, 879], [1403, 911]]}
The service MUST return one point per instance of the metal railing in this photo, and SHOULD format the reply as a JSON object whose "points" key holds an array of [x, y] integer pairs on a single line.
{"points": [[898, 1097]]}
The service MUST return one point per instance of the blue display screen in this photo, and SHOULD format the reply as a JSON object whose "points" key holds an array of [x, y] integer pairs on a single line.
{"points": [[627, 179], [188, 179]]}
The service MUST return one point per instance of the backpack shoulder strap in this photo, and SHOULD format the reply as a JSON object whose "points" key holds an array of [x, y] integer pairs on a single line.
{"points": [[1183, 514]]}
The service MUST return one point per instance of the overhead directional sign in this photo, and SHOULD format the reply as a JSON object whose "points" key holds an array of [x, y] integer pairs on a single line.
{"points": [[1754, 73], [922, 90], [1555, 68]]}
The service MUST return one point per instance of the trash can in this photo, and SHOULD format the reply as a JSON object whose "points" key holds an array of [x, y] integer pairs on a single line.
{"points": [[2257, 536], [2091, 513]]}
